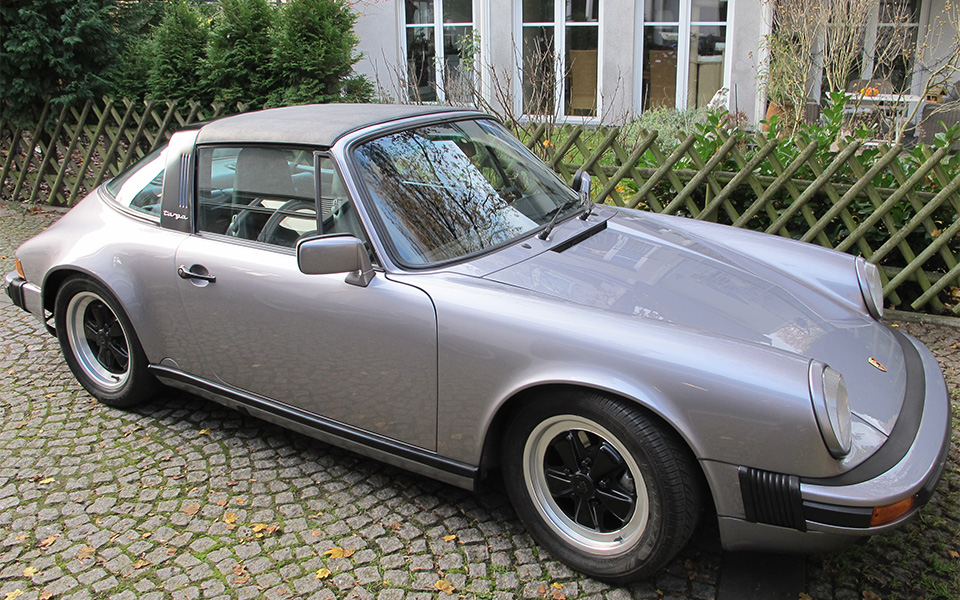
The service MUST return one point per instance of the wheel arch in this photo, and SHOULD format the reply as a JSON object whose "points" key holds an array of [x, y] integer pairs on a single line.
{"points": [[493, 438]]}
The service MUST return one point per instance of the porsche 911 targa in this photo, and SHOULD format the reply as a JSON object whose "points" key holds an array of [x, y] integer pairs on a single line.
{"points": [[412, 284]]}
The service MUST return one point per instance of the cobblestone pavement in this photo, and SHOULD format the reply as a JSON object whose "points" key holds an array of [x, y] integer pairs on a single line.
{"points": [[185, 499]]}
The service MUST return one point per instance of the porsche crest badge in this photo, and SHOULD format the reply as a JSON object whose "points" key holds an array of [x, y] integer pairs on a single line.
{"points": [[876, 363]]}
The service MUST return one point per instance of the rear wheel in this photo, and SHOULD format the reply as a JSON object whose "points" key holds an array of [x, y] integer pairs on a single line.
{"points": [[100, 345], [599, 484]]}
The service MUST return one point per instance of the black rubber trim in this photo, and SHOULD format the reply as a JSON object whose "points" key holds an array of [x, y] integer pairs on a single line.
{"points": [[904, 432], [771, 498], [15, 291], [840, 516], [406, 451], [576, 239]]}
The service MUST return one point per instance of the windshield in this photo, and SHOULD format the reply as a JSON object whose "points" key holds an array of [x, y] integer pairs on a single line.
{"points": [[451, 190]]}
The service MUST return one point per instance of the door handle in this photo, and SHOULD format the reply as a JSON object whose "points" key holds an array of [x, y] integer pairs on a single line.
{"points": [[186, 273]]}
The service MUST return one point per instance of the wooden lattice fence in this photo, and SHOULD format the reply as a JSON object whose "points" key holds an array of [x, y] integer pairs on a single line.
{"points": [[61, 159], [900, 209]]}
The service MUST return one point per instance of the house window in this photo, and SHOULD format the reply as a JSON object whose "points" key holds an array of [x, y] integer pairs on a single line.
{"points": [[683, 75], [889, 43], [560, 83], [440, 46]]}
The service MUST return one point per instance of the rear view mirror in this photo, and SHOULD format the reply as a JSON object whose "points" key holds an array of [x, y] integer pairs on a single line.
{"points": [[338, 253]]}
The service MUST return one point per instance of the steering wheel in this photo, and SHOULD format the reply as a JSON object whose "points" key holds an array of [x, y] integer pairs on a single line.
{"points": [[239, 224], [288, 209]]}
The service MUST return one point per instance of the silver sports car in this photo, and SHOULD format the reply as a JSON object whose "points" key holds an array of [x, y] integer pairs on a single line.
{"points": [[412, 284]]}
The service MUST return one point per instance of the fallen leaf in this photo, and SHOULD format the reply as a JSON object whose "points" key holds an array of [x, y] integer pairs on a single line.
{"points": [[257, 527], [46, 481], [191, 509], [30, 571], [954, 554], [804, 596], [557, 595], [449, 538], [558, 586], [239, 569], [204, 432], [444, 586], [48, 540], [335, 552], [49, 395], [45, 595], [86, 552], [20, 537], [171, 551], [240, 500], [14, 594], [146, 535], [230, 517], [221, 502], [323, 573], [542, 590], [141, 564], [316, 533]]}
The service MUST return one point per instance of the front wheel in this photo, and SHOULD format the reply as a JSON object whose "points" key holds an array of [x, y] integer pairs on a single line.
{"points": [[599, 484], [99, 344]]}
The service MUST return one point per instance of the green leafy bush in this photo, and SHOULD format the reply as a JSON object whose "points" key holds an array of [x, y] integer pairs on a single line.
{"points": [[314, 55], [238, 64], [60, 50], [177, 49]]}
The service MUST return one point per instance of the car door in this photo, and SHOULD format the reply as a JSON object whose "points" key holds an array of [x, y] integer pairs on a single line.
{"points": [[362, 356]]}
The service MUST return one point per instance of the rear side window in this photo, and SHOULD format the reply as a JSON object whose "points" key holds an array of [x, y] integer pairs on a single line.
{"points": [[140, 187]]}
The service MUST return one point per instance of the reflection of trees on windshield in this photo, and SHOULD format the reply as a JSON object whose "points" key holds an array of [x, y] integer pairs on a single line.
{"points": [[448, 190]]}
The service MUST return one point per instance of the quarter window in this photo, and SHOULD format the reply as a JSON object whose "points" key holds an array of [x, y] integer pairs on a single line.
{"points": [[140, 187]]}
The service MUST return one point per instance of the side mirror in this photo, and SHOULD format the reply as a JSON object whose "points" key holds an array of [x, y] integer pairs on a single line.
{"points": [[337, 253], [581, 185]]}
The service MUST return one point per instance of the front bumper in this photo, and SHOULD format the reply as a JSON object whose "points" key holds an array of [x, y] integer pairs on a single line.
{"points": [[24, 294], [791, 514]]}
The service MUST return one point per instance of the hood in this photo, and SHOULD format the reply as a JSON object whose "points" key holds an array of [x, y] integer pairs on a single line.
{"points": [[651, 268]]}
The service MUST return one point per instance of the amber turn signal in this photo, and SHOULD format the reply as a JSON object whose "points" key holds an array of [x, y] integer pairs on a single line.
{"points": [[891, 512], [19, 267]]}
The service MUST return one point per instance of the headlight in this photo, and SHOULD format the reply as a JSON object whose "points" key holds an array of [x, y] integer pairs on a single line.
{"points": [[871, 287], [832, 408]]}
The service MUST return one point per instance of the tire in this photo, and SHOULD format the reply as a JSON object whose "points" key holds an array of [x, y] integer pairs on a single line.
{"points": [[599, 484], [100, 345]]}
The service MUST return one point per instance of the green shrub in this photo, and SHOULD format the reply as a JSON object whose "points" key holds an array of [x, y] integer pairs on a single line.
{"points": [[177, 49], [58, 50], [238, 57], [670, 124], [314, 55]]}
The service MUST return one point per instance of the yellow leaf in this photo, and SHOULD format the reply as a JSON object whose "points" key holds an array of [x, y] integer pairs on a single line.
{"points": [[240, 500], [316, 533], [449, 538], [14, 594], [146, 535], [257, 527], [323, 573], [46, 481], [191, 509], [444, 586], [558, 586], [86, 552], [30, 571], [204, 432], [954, 554], [141, 564], [334, 552], [48, 540], [20, 537], [230, 517]]}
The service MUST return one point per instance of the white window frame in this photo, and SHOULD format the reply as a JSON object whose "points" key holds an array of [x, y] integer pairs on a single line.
{"points": [[685, 28], [559, 25], [438, 63]]}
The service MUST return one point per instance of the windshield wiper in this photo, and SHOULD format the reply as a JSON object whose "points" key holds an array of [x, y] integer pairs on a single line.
{"points": [[556, 215]]}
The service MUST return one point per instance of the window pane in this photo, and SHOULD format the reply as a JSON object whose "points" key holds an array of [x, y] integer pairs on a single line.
{"points": [[458, 64], [458, 11], [537, 11], [708, 10], [262, 194], [539, 70], [580, 97], [419, 12], [659, 67], [706, 64], [139, 187], [661, 11], [582, 11], [421, 66]]}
